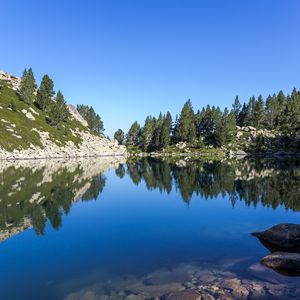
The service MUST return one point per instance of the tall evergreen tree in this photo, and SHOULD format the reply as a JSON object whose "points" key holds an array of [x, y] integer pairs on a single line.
{"points": [[186, 130], [258, 112], [58, 110], [93, 119], [166, 130], [119, 136], [243, 115], [225, 128], [272, 111], [236, 107], [157, 132], [45, 93], [133, 135], [147, 133], [28, 86]]}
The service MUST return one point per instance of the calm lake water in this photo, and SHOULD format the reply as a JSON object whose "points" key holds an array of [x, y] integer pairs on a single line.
{"points": [[107, 229]]}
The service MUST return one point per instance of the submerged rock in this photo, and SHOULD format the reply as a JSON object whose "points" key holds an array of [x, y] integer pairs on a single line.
{"points": [[285, 237], [183, 295], [283, 262]]}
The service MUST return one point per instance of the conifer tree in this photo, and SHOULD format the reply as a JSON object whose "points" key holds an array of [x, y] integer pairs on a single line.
{"points": [[236, 107], [157, 132], [94, 121], [166, 130], [45, 93], [272, 111], [225, 128], [186, 130], [133, 135], [58, 110], [28, 86], [119, 136], [147, 133], [258, 112], [242, 118]]}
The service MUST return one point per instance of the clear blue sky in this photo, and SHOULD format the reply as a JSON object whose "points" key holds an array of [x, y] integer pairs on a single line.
{"points": [[130, 58]]}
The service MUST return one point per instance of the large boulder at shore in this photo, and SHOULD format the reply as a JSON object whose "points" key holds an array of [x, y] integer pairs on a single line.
{"points": [[284, 237], [283, 262]]}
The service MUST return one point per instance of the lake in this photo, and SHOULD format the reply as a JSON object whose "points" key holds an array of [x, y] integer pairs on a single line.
{"points": [[148, 229]]}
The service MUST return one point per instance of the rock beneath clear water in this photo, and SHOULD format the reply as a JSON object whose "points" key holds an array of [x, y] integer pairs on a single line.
{"points": [[285, 237], [134, 297], [183, 295], [284, 262]]}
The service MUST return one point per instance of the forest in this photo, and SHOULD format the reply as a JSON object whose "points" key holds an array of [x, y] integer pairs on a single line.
{"points": [[212, 126]]}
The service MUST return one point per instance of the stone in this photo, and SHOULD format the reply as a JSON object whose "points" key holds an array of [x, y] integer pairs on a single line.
{"points": [[284, 262], [134, 297], [284, 237], [183, 295]]}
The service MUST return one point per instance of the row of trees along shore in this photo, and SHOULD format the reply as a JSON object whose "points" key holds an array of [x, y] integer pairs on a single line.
{"points": [[54, 104], [212, 126]]}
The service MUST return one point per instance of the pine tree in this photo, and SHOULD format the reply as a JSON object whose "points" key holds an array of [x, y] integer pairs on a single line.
{"points": [[258, 112], [249, 114], [94, 120], [133, 135], [198, 119], [166, 130], [236, 107], [272, 111], [58, 110], [186, 130], [282, 103], [119, 136], [243, 115], [28, 86], [157, 132], [147, 133], [45, 93], [291, 119], [225, 128]]}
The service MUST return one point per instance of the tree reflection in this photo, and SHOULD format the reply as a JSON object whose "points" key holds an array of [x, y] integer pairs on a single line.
{"points": [[269, 182]]}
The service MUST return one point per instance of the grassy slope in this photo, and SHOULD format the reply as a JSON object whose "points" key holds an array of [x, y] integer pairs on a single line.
{"points": [[24, 126]]}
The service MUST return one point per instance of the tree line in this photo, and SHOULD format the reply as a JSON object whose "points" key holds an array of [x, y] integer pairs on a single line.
{"points": [[212, 126], [53, 104]]}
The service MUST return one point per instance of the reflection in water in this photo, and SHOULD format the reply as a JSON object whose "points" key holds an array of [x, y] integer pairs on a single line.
{"points": [[33, 194], [269, 182]]}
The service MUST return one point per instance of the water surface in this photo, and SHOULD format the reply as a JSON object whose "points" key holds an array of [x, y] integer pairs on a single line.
{"points": [[107, 229]]}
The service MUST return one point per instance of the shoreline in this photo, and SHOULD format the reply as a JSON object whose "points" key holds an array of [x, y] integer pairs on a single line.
{"points": [[62, 157]]}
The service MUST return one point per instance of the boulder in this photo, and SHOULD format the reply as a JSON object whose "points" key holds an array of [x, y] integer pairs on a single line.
{"points": [[283, 262], [284, 237]]}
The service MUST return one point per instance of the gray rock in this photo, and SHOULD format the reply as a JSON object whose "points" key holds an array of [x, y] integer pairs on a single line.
{"points": [[285, 237], [284, 262], [183, 295]]}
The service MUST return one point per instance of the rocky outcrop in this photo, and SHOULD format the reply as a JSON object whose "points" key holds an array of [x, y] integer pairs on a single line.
{"points": [[76, 115], [283, 241], [91, 145], [284, 262], [13, 81], [284, 237]]}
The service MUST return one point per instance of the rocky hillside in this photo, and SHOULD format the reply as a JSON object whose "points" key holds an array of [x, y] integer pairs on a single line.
{"points": [[25, 132]]}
